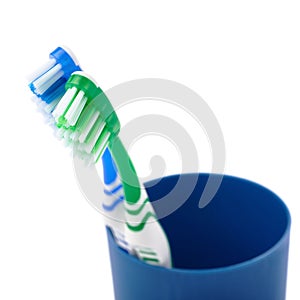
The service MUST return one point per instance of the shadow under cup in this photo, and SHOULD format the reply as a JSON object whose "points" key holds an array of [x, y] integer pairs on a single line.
{"points": [[235, 248]]}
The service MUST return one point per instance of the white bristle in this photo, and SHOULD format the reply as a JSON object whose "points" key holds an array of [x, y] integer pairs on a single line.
{"points": [[79, 146], [42, 107], [76, 108], [89, 147], [49, 107], [102, 146], [67, 134], [40, 104], [50, 121], [64, 103], [74, 136], [67, 143], [89, 160], [35, 99], [78, 111], [41, 70], [89, 126], [82, 155], [43, 83], [60, 133]]}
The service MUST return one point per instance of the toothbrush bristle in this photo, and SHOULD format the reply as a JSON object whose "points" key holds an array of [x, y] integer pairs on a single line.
{"points": [[57, 90], [48, 82], [88, 126], [89, 137], [94, 135], [101, 145], [42, 70], [76, 108], [50, 107], [44, 82], [81, 122], [64, 104]]}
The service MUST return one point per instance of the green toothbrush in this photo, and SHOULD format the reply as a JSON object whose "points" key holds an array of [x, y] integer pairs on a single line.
{"points": [[87, 120]]}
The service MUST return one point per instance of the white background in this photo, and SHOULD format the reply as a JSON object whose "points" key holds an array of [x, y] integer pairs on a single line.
{"points": [[242, 57]]}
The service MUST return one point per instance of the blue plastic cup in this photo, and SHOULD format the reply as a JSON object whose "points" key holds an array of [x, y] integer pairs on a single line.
{"points": [[236, 248]]}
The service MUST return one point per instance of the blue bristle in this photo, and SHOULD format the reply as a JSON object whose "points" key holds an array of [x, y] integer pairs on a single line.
{"points": [[31, 86], [55, 91]]}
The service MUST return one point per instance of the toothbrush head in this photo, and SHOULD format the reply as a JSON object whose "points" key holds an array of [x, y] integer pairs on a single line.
{"points": [[48, 83], [85, 117]]}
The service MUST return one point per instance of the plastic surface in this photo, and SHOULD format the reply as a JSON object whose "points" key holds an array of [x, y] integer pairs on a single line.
{"points": [[236, 248], [82, 81], [66, 60], [109, 168], [113, 189]]}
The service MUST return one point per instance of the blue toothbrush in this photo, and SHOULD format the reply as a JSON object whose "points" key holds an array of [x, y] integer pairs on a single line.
{"points": [[48, 85]]}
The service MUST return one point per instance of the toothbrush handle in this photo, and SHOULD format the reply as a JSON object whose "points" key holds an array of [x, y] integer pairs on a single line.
{"points": [[142, 231], [131, 185], [113, 201]]}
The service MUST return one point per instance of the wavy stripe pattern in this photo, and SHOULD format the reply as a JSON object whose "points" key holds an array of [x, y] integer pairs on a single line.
{"points": [[141, 225], [139, 210], [114, 204], [114, 190]]}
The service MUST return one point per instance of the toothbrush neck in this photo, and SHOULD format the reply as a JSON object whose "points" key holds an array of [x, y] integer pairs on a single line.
{"points": [[129, 178]]}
